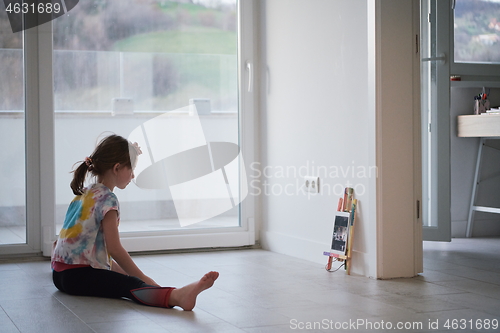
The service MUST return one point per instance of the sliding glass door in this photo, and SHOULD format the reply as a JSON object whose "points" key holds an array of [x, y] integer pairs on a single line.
{"points": [[121, 65], [20, 127], [118, 67], [460, 49], [435, 78], [12, 137]]}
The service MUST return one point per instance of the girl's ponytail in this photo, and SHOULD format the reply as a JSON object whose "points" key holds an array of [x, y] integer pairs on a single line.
{"points": [[79, 175], [111, 150]]}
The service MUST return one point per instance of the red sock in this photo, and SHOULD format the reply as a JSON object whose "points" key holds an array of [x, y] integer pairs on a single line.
{"points": [[153, 296]]}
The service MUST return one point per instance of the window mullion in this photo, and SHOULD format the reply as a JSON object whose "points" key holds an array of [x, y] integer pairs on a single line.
{"points": [[47, 142]]}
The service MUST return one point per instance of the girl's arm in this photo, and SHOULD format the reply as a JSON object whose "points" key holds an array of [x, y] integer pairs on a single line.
{"points": [[116, 268], [116, 250]]}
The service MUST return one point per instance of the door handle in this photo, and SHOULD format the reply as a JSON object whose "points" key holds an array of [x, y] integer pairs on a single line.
{"points": [[442, 57]]}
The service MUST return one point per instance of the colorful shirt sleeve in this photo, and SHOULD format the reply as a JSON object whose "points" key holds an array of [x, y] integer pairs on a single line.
{"points": [[81, 240]]}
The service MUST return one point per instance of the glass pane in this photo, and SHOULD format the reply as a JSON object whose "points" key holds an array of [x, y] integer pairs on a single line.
{"points": [[120, 64], [428, 80], [12, 138], [429, 96], [477, 31], [435, 92]]}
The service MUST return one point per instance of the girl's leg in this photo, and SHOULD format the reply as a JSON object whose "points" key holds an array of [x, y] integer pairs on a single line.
{"points": [[88, 281], [103, 283]]}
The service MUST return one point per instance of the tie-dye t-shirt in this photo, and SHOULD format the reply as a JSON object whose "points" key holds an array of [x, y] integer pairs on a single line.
{"points": [[81, 240]]}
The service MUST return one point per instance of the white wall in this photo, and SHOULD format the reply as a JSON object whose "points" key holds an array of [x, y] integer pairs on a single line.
{"points": [[339, 93], [316, 116]]}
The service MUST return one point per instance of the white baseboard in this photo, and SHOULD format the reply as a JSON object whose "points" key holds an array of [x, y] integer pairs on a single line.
{"points": [[309, 250]]}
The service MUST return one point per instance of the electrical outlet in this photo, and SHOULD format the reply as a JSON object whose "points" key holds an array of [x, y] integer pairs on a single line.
{"points": [[311, 184]]}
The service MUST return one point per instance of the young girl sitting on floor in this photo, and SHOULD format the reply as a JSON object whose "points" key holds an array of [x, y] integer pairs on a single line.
{"points": [[88, 258]]}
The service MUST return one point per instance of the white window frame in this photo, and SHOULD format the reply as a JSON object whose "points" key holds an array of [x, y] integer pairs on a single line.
{"points": [[40, 152], [34, 167], [436, 121]]}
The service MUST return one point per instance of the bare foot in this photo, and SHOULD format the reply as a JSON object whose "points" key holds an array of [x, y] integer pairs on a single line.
{"points": [[185, 297]]}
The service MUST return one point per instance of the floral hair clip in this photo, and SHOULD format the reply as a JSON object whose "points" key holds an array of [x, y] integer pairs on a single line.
{"points": [[88, 162], [137, 148]]}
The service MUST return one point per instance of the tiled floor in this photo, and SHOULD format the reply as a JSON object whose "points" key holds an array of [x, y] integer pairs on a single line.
{"points": [[260, 291]]}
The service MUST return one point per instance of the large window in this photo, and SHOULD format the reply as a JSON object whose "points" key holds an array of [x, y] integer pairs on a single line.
{"points": [[120, 64], [435, 46], [115, 65], [474, 39], [459, 38], [12, 136], [477, 31]]}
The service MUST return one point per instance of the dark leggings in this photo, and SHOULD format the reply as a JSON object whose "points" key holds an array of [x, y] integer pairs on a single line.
{"points": [[88, 281]]}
